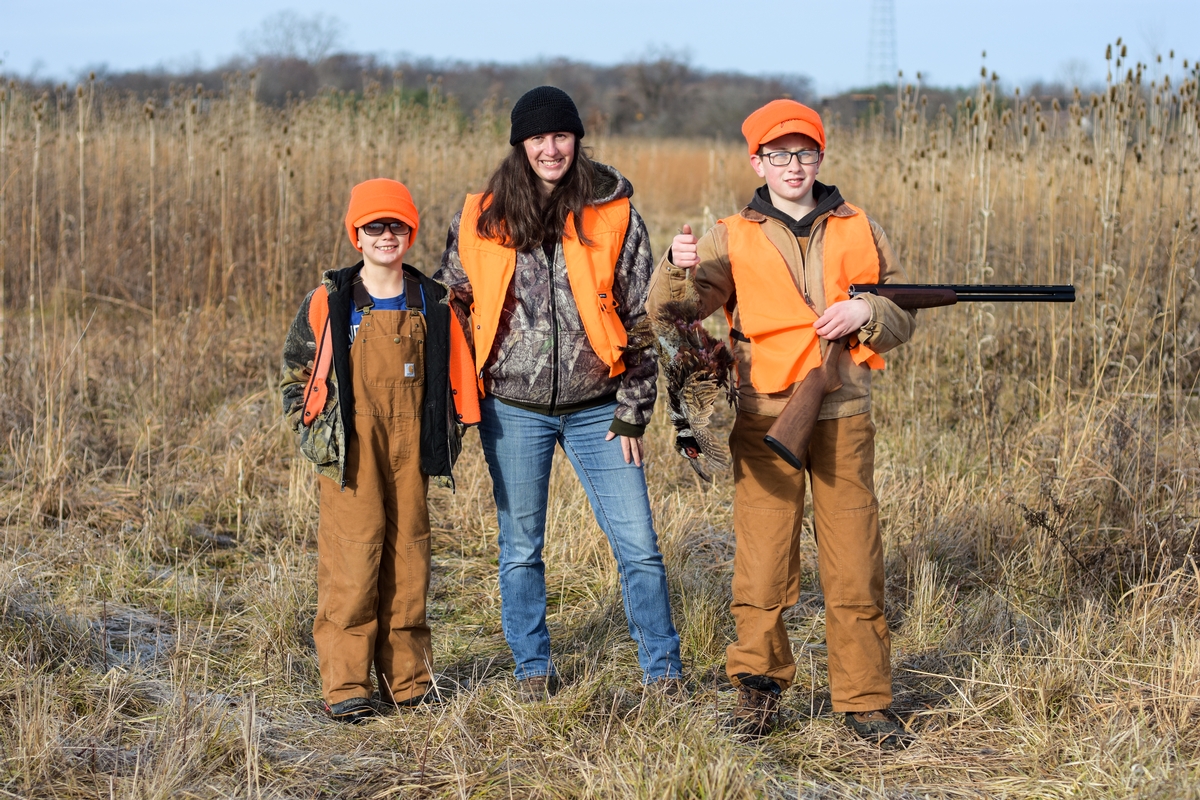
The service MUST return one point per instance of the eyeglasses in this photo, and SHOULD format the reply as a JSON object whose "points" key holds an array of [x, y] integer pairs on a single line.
{"points": [[377, 228], [781, 158]]}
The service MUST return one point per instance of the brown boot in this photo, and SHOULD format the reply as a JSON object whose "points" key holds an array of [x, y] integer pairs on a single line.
{"points": [[353, 711], [537, 689], [881, 727], [757, 705], [672, 689]]}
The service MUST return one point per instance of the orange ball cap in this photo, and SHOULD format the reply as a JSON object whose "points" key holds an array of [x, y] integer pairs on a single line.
{"points": [[778, 118]]}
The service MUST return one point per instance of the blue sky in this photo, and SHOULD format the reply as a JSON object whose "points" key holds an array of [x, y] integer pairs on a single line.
{"points": [[1025, 40]]}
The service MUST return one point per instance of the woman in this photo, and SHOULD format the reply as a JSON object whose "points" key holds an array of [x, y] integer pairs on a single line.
{"points": [[554, 264]]}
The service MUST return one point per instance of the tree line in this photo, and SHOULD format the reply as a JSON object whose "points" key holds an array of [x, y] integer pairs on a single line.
{"points": [[661, 95]]}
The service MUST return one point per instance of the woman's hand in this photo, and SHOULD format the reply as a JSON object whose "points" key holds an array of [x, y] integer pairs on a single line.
{"points": [[631, 448]]}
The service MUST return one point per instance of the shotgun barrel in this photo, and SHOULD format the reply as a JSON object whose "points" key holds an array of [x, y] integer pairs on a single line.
{"points": [[912, 296], [792, 430]]}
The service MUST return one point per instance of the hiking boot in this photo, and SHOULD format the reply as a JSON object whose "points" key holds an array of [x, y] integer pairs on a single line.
{"points": [[757, 706], [352, 711], [881, 727], [673, 689], [537, 689]]}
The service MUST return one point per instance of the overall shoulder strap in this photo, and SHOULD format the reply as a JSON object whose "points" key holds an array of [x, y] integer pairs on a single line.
{"points": [[362, 298], [414, 298]]}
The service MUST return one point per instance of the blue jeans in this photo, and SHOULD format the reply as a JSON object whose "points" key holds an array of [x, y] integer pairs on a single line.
{"points": [[519, 448]]}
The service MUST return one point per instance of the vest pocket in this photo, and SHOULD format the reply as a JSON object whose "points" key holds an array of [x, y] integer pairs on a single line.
{"points": [[613, 327], [607, 335]]}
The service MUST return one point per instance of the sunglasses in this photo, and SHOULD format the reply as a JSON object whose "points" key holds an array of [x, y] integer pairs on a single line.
{"points": [[377, 228]]}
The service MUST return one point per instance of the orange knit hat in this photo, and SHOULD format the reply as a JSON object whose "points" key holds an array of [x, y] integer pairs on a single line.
{"points": [[380, 198], [778, 118]]}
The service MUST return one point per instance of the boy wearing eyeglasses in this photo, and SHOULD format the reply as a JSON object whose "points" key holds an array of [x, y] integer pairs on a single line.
{"points": [[779, 269], [366, 388]]}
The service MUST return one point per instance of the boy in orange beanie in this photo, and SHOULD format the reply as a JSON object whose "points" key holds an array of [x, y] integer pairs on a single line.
{"points": [[366, 387], [780, 269]]}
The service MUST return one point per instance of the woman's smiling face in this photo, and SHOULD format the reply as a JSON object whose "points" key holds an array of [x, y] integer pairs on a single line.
{"points": [[550, 155]]}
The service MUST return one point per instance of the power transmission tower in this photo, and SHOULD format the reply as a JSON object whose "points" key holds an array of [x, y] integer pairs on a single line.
{"points": [[881, 47]]}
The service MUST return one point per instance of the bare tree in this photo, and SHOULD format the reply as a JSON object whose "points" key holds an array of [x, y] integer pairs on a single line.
{"points": [[287, 35]]}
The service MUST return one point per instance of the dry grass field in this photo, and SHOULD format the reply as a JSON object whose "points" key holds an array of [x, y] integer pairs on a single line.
{"points": [[1037, 467]]}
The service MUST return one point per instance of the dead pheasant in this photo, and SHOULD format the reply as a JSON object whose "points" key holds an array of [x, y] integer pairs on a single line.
{"points": [[697, 368]]}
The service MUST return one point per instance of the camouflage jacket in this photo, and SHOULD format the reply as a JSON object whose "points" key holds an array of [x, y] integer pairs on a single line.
{"points": [[541, 357], [324, 441]]}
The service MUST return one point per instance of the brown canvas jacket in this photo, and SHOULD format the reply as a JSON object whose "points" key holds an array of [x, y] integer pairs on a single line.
{"points": [[713, 288]]}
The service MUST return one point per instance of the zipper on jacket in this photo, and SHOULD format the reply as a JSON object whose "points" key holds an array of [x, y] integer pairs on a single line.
{"points": [[553, 334], [803, 251], [819, 221]]}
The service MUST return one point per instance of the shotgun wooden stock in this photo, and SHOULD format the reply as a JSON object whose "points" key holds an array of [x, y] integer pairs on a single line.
{"points": [[790, 434], [792, 430]]}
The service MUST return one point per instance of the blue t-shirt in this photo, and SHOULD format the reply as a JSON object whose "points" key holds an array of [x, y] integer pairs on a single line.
{"points": [[379, 304]]}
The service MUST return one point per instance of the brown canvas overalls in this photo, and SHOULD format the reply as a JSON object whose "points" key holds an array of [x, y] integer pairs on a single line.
{"points": [[373, 538]]}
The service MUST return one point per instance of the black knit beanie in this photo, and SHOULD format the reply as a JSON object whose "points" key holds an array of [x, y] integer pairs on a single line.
{"points": [[546, 109]]}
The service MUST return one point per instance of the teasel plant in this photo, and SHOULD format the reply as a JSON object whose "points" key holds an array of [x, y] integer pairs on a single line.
{"points": [[84, 101], [34, 236], [5, 104], [152, 215]]}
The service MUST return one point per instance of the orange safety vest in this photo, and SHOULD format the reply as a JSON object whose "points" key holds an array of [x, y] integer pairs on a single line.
{"points": [[778, 322], [490, 265], [316, 391]]}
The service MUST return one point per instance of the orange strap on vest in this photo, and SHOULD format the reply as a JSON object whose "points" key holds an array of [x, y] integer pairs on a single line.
{"points": [[778, 322], [590, 270], [316, 391]]}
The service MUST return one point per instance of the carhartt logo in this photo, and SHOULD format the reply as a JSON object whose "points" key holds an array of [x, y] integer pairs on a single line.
{"points": [[410, 370]]}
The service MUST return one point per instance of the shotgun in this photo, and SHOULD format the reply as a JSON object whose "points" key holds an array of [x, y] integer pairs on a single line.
{"points": [[791, 432]]}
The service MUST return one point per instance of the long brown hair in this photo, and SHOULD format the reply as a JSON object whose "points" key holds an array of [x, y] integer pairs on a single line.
{"points": [[519, 216]]}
